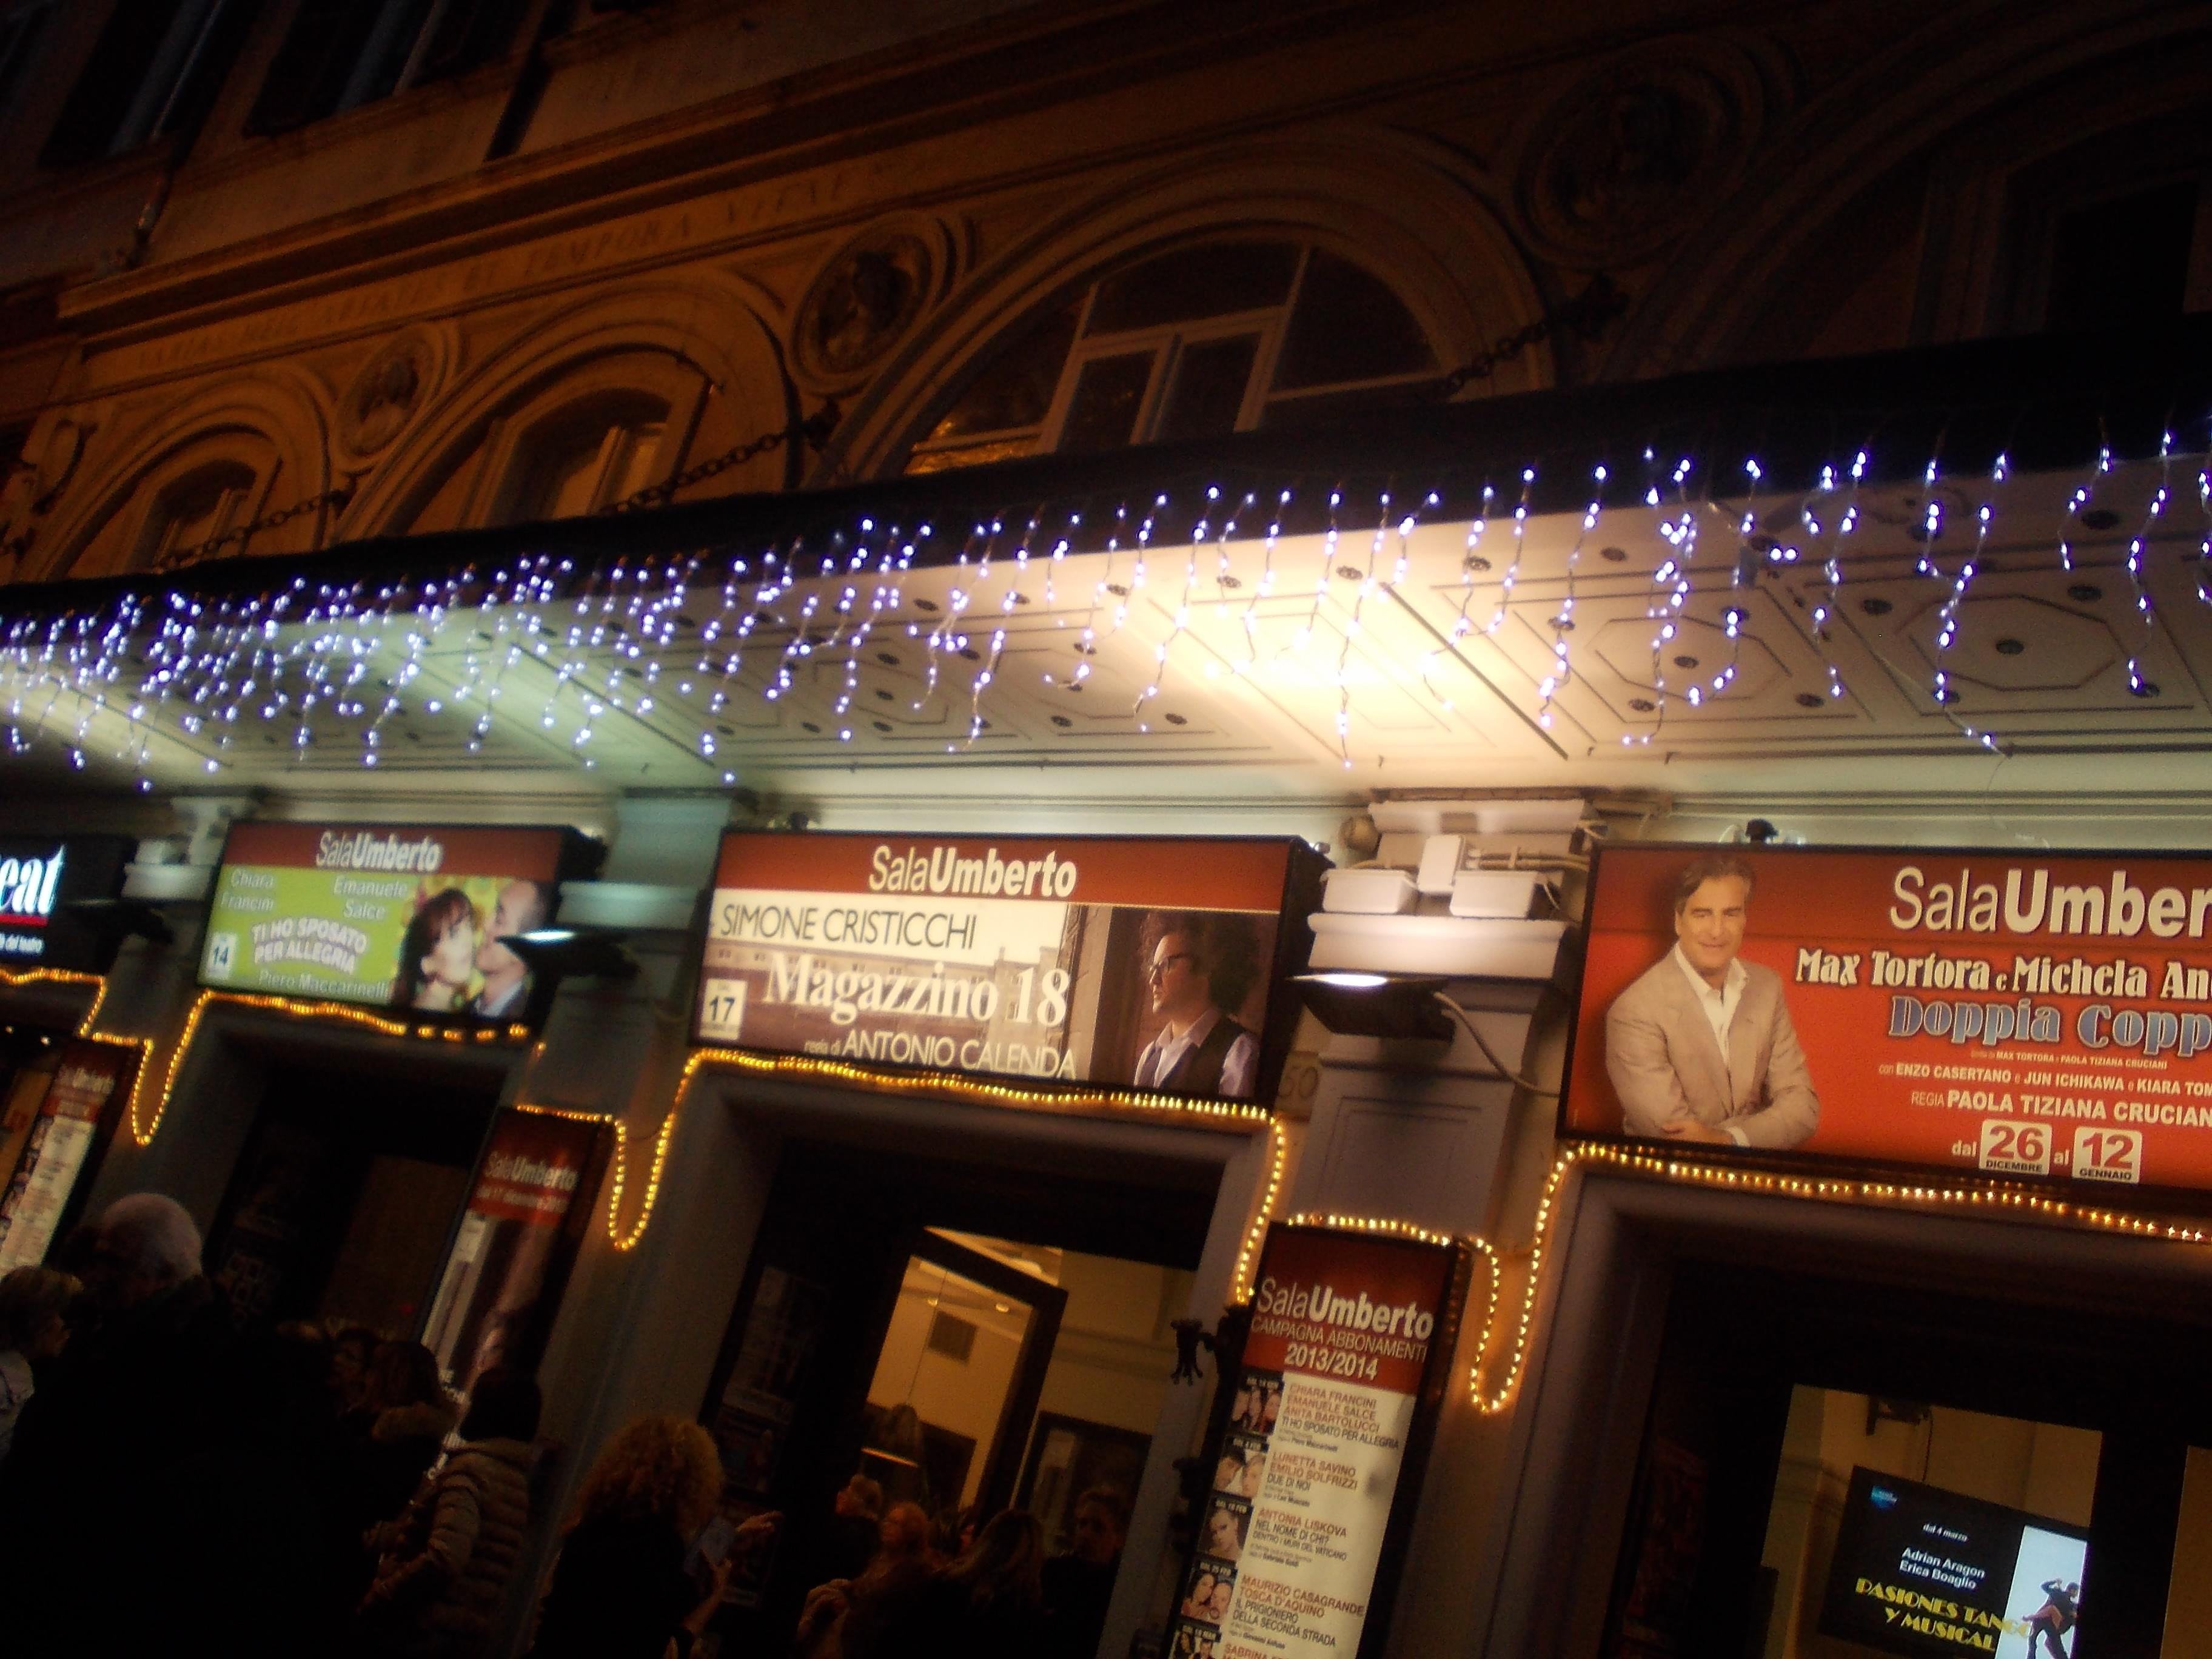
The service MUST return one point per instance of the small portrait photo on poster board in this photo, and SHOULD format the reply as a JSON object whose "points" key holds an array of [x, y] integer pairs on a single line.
{"points": [[1242, 1466], [1259, 1402], [1227, 1520], [1213, 1586]]}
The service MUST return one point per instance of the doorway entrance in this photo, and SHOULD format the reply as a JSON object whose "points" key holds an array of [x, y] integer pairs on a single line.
{"points": [[961, 1336], [1831, 1469], [343, 1203]]}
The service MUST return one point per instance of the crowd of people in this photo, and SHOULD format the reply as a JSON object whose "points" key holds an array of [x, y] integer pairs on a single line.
{"points": [[165, 1476], [970, 1585]]}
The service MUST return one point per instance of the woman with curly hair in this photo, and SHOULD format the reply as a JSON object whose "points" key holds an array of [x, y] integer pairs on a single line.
{"points": [[620, 1589]]}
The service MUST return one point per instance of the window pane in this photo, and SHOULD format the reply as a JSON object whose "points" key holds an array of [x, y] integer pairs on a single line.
{"points": [[19, 38], [1349, 326], [1015, 388], [1108, 398], [2123, 261], [1195, 283], [1209, 387], [312, 66], [633, 463]]}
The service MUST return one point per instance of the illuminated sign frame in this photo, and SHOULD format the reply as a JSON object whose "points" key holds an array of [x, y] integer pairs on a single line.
{"points": [[50, 873], [388, 864], [1017, 957], [2043, 1016]]}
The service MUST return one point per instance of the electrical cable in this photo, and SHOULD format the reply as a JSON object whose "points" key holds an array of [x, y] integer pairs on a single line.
{"points": [[1498, 1066]]}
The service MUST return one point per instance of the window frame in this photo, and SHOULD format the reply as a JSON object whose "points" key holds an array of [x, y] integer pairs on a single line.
{"points": [[638, 374], [1168, 342], [148, 541]]}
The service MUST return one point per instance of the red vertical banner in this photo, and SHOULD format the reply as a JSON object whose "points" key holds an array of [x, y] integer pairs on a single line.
{"points": [[88, 1087], [534, 1196], [1332, 1412]]}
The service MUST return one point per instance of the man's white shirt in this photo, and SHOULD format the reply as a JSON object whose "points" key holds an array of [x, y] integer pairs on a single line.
{"points": [[1719, 1008], [1164, 1054]]}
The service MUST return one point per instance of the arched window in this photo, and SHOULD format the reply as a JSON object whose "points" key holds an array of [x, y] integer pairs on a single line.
{"points": [[192, 511], [1221, 337], [584, 460]]}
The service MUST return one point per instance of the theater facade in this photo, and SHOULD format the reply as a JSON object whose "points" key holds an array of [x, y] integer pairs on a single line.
{"points": [[1429, 789]]}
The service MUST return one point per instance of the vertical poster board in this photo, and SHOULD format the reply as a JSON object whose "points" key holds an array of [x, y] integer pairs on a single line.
{"points": [[535, 1192], [1299, 1543], [88, 1088]]}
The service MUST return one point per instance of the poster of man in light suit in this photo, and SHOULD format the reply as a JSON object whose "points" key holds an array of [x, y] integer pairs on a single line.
{"points": [[1701, 1046]]}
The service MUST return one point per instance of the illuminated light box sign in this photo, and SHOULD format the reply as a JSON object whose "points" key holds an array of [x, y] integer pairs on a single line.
{"points": [[1300, 1539], [1153, 964], [1927, 1573], [2042, 1016], [404, 917], [60, 1143], [39, 879]]}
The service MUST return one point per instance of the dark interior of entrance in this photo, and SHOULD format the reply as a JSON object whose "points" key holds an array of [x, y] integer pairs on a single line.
{"points": [[1774, 1390], [343, 1202], [964, 1335]]}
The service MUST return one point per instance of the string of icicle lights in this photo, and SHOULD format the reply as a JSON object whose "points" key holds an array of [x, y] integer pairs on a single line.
{"points": [[577, 651]]}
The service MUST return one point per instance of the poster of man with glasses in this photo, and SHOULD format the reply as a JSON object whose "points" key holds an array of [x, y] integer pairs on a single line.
{"points": [[1200, 966], [1151, 964]]}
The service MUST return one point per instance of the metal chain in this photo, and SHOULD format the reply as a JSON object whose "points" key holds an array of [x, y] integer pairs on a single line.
{"points": [[815, 429], [1585, 316], [178, 557]]}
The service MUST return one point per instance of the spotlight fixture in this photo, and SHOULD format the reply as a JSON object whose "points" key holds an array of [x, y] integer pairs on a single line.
{"points": [[586, 952], [1355, 1004], [1378, 1004], [1760, 831], [111, 921]]}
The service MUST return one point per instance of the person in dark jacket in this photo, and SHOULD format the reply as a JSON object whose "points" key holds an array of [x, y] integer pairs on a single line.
{"points": [[399, 1432], [1078, 1585], [149, 1436], [621, 1589], [445, 1563]]}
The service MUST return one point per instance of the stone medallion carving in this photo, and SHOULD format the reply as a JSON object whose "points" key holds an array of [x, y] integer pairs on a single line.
{"points": [[391, 389], [866, 298], [1640, 151]]}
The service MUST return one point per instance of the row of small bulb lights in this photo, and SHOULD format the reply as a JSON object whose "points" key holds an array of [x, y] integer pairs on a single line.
{"points": [[613, 638]]}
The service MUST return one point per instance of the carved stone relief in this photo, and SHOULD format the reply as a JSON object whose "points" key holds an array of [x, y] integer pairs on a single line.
{"points": [[392, 388], [866, 298], [1640, 151]]}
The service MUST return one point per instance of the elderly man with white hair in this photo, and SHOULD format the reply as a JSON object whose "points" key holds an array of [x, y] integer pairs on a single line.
{"points": [[147, 1245]]}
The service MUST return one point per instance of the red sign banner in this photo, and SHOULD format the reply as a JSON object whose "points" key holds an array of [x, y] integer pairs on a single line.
{"points": [[2046, 1015], [1151, 963]]}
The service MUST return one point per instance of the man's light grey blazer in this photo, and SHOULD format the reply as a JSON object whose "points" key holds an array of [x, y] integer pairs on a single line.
{"points": [[1661, 1055]]}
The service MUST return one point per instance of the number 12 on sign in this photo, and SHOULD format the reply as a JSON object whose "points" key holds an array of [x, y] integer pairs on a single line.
{"points": [[2108, 1155]]}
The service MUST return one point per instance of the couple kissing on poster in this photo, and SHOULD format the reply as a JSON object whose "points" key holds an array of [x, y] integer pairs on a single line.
{"points": [[452, 963]]}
